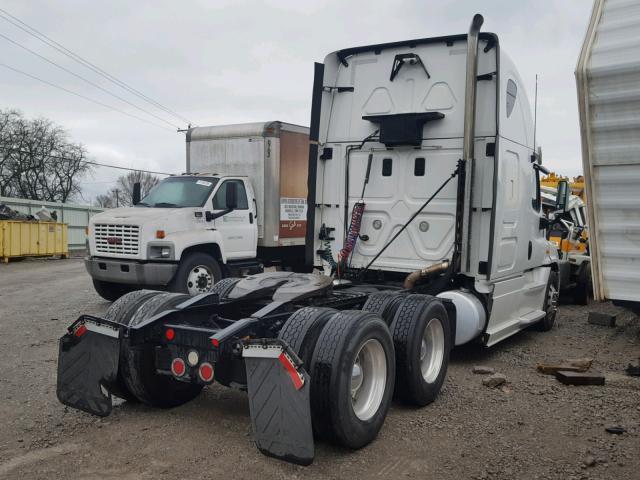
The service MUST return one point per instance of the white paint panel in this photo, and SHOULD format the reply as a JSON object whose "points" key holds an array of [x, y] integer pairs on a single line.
{"points": [[608, 78]]}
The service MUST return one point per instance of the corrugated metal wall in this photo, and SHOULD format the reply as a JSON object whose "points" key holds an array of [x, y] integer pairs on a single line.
{"points": [[75, 216], [609, 92]]}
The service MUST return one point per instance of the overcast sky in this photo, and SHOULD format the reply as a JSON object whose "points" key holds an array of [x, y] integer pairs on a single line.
{"points": [[230, 61]]}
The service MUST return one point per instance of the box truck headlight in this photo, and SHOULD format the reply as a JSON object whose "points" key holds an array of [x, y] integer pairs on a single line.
{"points": [[164, 252]]}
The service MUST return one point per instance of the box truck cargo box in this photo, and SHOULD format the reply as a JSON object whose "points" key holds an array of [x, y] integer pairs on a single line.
{"points": [[274, 155]]}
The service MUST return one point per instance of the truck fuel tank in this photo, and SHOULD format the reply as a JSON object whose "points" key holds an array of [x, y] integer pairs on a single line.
{"points": [[471, 317]]}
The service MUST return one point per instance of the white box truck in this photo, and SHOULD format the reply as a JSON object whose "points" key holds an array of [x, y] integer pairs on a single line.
{"points": [[240, 206], [608, 84]]}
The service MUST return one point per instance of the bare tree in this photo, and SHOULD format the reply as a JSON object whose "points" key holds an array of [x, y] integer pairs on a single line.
{"points": [[105, 201], [124, 186], [122, 194], [8, 146], [38, 160]]}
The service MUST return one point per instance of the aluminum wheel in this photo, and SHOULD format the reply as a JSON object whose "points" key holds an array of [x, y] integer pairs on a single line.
{"points": [[199, 280], [552, 300], [432, 350], [368, 379]]}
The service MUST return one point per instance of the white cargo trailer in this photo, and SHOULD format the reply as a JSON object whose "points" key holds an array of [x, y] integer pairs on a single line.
{"points": [[608, 84]]}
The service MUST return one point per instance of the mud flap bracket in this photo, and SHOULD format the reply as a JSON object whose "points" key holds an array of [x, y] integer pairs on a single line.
{"points": [[279, 401]]}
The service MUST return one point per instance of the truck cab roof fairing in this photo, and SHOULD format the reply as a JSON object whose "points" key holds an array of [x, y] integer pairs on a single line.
{"points": [[344, 54]]}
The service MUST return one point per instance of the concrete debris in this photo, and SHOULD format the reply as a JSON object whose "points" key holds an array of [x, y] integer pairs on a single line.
{"points": [[633, 370], [578, 365], [616, 430], [602, 319], [494, 380], [483, 370], [580, 378]]}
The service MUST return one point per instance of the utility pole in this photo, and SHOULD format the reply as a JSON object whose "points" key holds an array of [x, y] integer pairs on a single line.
{"points": [[117, 198]]}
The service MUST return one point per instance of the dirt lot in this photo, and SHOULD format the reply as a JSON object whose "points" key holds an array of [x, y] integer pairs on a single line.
{"points": [[534, 427]]}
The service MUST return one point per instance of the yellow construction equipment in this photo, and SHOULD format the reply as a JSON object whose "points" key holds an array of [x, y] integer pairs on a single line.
{"points": [[32, 239], [563, 203], [576, 186]]}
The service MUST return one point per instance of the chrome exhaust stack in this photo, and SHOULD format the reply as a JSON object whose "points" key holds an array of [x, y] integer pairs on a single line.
{"points": [[465, 190], [465, 169], [471, 87]]}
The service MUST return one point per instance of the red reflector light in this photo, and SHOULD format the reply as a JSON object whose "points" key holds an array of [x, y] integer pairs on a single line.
{"points": [[215, 342], [81, 330], [296, 378], [170, 334], [178, 367], [206, 372]]}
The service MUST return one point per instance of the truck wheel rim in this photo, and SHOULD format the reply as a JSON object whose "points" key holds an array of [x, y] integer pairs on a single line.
{"points": [[432, 350], [199, 280], [552, 301], [368, 379]]}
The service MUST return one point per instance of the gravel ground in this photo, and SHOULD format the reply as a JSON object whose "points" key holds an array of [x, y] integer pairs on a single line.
{"points": [[530, 427]]}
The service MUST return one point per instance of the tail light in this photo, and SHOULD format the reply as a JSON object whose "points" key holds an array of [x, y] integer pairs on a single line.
{"points": [[205, 372], [178, 368], [81, 330], [170, 334]]}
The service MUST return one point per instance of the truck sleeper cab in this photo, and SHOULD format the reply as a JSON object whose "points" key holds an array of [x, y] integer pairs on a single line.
{"points": [[409, 262], [393, 122]]}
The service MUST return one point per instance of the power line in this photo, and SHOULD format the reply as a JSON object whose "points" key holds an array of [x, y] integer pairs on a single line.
{"points": [[121, 168], [85, 80], [65, 51], [93, 163], [97, 102]]}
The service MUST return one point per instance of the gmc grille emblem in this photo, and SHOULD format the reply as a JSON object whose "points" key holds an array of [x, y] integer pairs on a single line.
{"points": [[114, 240]]}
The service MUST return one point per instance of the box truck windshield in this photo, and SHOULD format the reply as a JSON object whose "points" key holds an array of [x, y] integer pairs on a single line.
{"points": [[179, 192]]}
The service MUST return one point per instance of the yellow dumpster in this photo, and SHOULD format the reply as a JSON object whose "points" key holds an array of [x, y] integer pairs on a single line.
{"points": [[32, 239]]}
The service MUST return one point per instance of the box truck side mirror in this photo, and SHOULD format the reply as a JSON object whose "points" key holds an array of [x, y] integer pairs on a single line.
{"points": [[136, 195]]}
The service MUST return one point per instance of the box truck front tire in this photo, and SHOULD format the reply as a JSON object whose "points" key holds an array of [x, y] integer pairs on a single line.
{"points": [[197, 274]]}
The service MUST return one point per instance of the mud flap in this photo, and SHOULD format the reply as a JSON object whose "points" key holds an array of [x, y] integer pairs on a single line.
{"points": [[279, 402], [88, 365]]}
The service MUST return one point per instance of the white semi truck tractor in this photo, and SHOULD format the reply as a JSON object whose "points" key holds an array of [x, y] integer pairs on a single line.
{"points": [[240, 206], [425, 232]]}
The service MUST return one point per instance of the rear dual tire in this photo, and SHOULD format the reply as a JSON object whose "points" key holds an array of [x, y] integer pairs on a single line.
{"points": [[358, 361], [422, 340], [138, 362], [352, 377], [349, 355], [137, 377], [121, 311]]}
